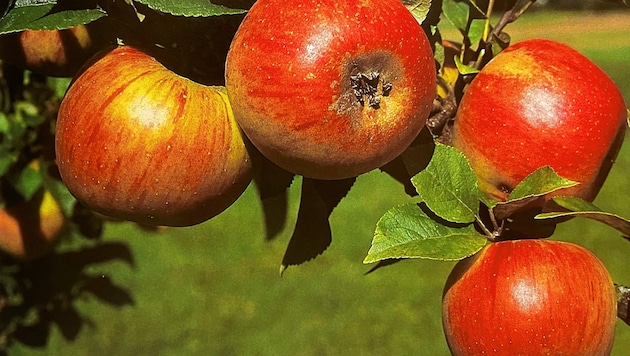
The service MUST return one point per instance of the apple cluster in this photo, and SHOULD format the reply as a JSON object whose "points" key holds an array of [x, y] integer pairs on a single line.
{"points": [[537, 103], [329, 90], [136, 141]]}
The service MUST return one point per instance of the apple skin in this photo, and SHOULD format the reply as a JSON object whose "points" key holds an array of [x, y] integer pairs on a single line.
{"points": [[31, 229], [530, 297], [289, 75], [138, 142], [538, 103], [56, 53]]}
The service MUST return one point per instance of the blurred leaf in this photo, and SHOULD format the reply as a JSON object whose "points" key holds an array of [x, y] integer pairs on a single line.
{"points": [[449, 186], [59, 85], [42, 17], [101, 253], [583, 208], [28, 182], [272, 184], [106, 291], [418, 8], [190, 8], [28, 113], [52, 181], [6, 160], [312, 234], [536, 185], [68, 320], [457, 13], [35, 335], [408, 232]]}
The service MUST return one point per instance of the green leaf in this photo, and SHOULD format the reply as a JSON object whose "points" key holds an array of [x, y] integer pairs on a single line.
{"points": [[457, 13], [28, 182], [536, 185], [463, 68], [28, 113], [6, 160], [59, 85], [41, 17], [408, 232], [448, 186], [475, 31], [57, 189], [190, 8], [542, 181], [585, 209], [418, 8]]}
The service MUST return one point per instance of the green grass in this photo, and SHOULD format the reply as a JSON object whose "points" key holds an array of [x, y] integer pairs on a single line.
{"points": [[214, 289]]}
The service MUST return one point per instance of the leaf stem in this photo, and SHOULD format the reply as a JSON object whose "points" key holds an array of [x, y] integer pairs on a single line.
{"points": [[489, 234]]}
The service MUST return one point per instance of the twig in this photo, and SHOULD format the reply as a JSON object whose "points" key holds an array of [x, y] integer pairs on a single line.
{"points": [[510, 16]]}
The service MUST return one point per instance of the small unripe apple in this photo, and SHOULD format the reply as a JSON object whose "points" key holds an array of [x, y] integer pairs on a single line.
{"points": [[540, 103], [58, 53], [530, 297], [138, 142], [330, 89], [30, 229]]}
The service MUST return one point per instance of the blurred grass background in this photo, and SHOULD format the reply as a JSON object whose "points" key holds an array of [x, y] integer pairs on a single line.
{"points": [[214, 289]]}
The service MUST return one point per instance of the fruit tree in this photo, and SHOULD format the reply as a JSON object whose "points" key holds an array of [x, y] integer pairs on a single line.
{"points": [[163, 113]]}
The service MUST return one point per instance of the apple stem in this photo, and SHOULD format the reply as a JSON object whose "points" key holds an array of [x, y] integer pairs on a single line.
{"points": [[623, 303]]}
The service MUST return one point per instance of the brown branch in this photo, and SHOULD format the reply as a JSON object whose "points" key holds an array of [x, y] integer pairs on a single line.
{"points": [[623, 303], [510, 16]]}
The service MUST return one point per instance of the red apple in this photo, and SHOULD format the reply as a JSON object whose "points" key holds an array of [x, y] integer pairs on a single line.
{"points": [[540, 103], [30, 229], [58, 53], [530, 297], [136, 141], [330, 89]]}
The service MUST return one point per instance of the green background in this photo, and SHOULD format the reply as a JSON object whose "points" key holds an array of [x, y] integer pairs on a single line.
{"points": [[214, 289]]}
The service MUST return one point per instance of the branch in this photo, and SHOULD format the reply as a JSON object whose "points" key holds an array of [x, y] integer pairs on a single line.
{"points": [[511, 15], [623, 303]]}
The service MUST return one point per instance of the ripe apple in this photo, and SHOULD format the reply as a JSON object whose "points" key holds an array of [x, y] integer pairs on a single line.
{"points": [[539, 103], [58, 53], [31, 228], [530, 297], [330, 89], [136, 141]]}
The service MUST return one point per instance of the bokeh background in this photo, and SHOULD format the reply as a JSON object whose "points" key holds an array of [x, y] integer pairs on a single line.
{"points": [[215, 288]]}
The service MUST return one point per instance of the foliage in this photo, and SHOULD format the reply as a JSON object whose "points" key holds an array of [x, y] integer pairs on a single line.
{"points": [[447, 217]]}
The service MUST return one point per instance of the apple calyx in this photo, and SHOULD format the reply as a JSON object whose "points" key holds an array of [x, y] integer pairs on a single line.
{"points": [[370, 86]]}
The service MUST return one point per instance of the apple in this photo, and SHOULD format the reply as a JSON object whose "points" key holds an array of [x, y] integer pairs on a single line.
{"points": [[330, 89], [540, 103], [58, 53], [138, 142], [530, 297], [31, 228]]}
